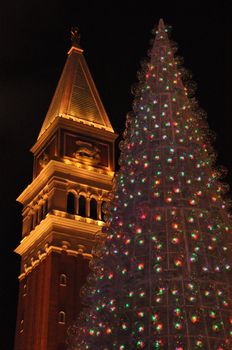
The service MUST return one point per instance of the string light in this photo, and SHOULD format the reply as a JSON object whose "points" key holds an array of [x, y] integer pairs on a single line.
{"points": [[163, 279]]}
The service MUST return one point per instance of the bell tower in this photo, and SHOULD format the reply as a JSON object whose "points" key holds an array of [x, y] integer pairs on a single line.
{"points": [[62, 207]]}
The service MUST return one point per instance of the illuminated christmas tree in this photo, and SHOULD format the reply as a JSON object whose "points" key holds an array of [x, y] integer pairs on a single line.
{"points": [[163, 278]]}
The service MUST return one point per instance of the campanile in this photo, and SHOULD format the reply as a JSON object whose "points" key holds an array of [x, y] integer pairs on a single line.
{"points": [[62, 206]]}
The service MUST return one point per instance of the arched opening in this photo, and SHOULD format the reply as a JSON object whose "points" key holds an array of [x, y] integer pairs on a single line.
{"points": [[93, 209], [41, 212], [31, 222], [61, 317], [33, 219], [63, 280], [82, 206], [37, 216], [21, 326], [25, 289], [71, 199], [103, 208], [44, 209]]}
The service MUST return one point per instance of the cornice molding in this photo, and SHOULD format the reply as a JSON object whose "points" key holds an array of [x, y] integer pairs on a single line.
{"points": [[54, 226], [97, 179], [76, 125]]}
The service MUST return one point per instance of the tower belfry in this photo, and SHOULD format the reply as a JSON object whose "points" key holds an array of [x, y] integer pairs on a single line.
{"points": [[62, 207]]}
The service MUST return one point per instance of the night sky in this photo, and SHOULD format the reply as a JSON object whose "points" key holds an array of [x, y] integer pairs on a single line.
{"points": [[34, 40]]}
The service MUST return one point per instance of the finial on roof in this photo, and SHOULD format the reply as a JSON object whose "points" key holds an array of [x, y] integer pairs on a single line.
{"points": [[75, 36]]}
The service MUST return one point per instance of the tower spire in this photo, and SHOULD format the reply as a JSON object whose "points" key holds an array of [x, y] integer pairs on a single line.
{"points": [[76, 96]]}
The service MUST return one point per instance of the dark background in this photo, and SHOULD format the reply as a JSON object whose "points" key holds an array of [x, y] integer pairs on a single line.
{"points": [[34, 40]]}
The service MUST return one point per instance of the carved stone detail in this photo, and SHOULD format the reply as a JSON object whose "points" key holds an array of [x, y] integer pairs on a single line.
{"points": [[81, 248], [87, 150], [44, 160], [65, 245]]}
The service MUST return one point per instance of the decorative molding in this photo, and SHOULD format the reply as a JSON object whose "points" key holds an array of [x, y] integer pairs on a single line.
{"points": [[56, 226], [56, 168], [87, 150], [70, 123]]}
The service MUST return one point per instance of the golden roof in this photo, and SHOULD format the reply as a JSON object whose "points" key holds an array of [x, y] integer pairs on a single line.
{"points": [[76, 96]]}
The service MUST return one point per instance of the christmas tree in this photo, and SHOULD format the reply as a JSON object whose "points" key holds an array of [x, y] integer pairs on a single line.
{"points": [[162, 280]]}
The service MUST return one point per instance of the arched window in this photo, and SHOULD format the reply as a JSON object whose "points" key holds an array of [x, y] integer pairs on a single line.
{"points": [[31, 222], [71, 199], [21, 326], [63, 280], [25, 289], [45, 211], [82, 206], [33, 219], [41, 212], [102, 210], [93, 209], [61, 317], [37, 216]]}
